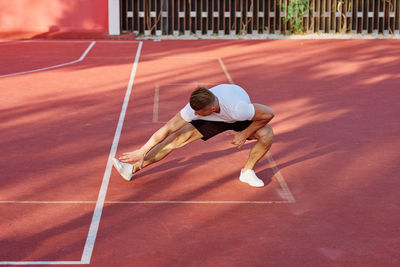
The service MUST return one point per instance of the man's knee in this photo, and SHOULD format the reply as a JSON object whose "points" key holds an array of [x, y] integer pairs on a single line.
{"points": [[265, 135]]}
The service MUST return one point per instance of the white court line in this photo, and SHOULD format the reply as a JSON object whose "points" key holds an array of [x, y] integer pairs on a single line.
{"points": [[39, 262], [67, 41], [55, 66], [155, 105], [289, 196], [94, 226], [225, 70], [180, 57], [152, 202], [198, 202], [45, 202]]}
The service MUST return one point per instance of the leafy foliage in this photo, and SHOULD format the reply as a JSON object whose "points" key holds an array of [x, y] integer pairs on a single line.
{"points": [[295, 14]]}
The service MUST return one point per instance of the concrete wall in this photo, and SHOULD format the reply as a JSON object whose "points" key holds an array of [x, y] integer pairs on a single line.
{"points": [[53, 15]]}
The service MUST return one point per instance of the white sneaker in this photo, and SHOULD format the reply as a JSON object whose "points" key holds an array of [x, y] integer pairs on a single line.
{"points": [[251, 178], [124, 169]]}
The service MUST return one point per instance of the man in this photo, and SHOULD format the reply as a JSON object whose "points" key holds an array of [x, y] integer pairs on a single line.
{"points": [[209, 112]]}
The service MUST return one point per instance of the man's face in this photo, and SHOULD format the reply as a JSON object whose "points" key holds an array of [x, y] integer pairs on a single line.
{"points": [[204, 112]]}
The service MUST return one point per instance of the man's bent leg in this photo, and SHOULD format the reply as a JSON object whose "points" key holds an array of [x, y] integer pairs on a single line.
{"points": [[176, 140], [264, 138]]}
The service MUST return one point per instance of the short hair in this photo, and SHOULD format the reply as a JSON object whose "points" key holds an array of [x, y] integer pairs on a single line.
{"points": [[201, 98]]}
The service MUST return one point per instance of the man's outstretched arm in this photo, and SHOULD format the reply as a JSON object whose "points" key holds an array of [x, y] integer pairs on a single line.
{"points": [[137, 156]]}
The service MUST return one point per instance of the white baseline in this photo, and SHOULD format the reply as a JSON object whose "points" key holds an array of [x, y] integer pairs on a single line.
{"points": [[55, 66], [94, 225]]}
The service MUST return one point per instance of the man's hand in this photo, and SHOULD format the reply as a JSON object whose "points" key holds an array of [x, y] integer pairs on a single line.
{"points": [[136, 156], [238, 138]]}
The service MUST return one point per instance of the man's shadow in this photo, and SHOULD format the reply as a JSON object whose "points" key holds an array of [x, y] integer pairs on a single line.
{"points": [[266, 173], [181, 163]]}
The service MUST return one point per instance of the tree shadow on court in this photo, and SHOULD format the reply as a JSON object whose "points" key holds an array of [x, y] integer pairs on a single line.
{"points": [[158, 180], [331, 109]]}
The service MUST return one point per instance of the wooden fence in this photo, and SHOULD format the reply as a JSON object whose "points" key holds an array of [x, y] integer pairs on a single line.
{"points": [[240, 17]]}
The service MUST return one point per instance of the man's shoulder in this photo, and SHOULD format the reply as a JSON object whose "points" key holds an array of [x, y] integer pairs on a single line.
{"points": [[228, 90], [225, 86], [230, 93]]}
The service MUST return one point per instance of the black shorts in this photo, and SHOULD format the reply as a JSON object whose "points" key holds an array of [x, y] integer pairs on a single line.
{"points": [[211, 128]]}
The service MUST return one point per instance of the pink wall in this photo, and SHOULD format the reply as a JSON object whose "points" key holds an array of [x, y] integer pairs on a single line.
{"points": [[53, 15]]}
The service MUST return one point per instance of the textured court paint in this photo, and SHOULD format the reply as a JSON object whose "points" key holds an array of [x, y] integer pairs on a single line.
{"points": [[345, 191], [55, 66], [94, 226]]}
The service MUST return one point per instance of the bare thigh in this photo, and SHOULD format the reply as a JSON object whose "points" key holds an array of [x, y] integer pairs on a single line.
{"points": [[184, 136]]}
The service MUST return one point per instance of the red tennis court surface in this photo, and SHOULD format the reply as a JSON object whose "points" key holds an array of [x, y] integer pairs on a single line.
{"points": [[331, 195]]}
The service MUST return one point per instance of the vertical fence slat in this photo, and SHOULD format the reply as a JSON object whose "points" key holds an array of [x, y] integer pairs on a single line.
{"points": [[236, 17], [220, 12], [386, 17], [391, 16], [210, 23], [336, 14], [226, 17], [283, 17], [373, 19], [397, 16], [135, 19], [259, 18], [328, 13], [271, 15], [143, 16], [383, 14], [347, 19], [278, 18], [317, 16], [238, 21], [354, 16], [379, 18], [267, 23], [361, 14]]}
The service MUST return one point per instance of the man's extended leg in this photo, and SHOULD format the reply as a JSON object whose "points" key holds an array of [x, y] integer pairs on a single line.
{"points": [[184, 136], [176, 140], [264, 138]]}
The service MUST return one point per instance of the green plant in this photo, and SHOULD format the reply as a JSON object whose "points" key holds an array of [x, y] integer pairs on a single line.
{"points": [[295, 14]]}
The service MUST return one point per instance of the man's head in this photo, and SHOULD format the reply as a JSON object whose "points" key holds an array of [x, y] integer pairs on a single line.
{"points": [[203, 101]]}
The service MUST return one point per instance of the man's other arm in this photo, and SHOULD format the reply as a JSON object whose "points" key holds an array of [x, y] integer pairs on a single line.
{"points": [[262, 116]]}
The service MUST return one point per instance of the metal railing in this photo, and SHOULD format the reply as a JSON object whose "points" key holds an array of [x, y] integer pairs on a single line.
{"points": [[241, 17]]}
